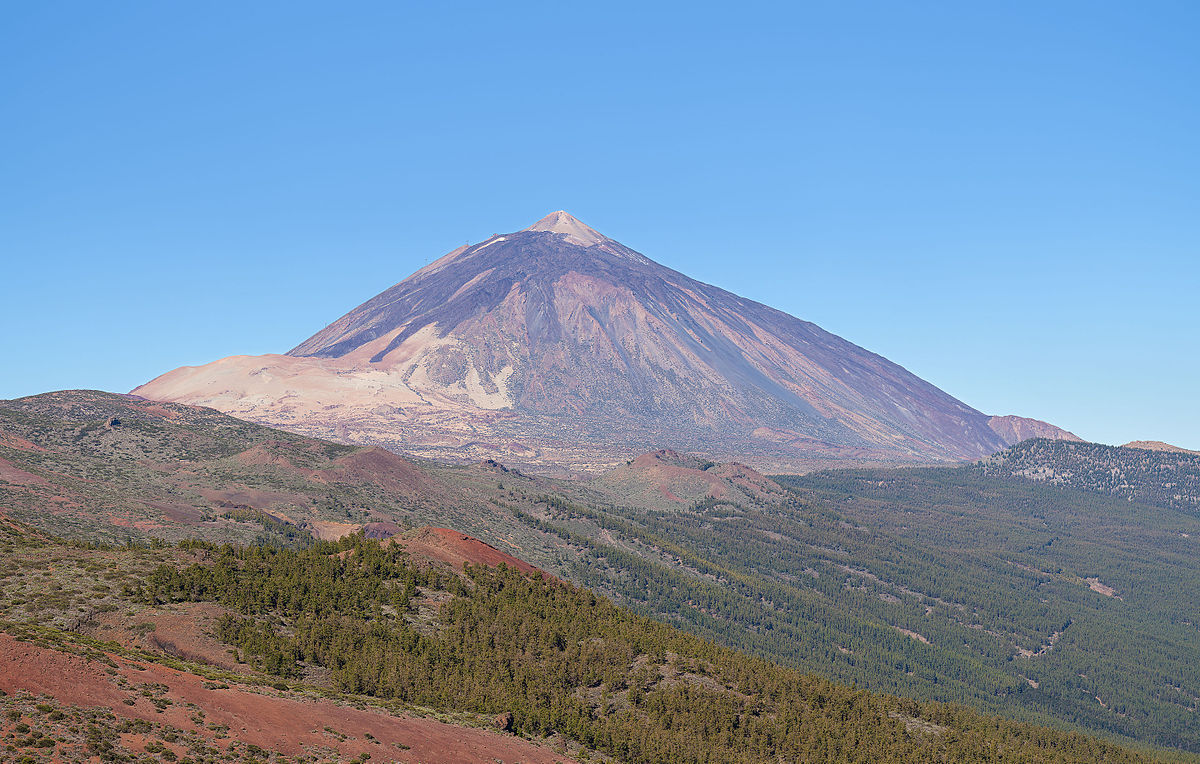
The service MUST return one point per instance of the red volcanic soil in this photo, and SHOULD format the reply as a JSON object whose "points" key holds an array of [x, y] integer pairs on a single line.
{"points": [[10, 473], [746, 478], [20, 444], [288, 724], [665, 465], [381, 467], [454, 549], [242, 496], [185, 632]]}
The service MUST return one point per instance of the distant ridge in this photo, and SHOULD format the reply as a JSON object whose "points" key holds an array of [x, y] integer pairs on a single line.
{"points": [[1166, 477], [559, 348], [1158, 445], [1014, 429]]}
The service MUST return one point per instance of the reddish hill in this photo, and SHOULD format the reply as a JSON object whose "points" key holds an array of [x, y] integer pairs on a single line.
{"points": [[666, 478], [381, 467], [454, 549]]}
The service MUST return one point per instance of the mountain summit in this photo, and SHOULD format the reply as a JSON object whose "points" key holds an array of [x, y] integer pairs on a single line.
{"points": [[568, 225], [556, 346]]}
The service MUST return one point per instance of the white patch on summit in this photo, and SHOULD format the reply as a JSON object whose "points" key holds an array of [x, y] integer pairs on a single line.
{"points": [[564, 223], [490, 242]]}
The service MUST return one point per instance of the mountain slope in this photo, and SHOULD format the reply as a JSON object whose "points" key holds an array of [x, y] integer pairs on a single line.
{"points": [[957, 584], [1166, 477], [113, 468], [558, 673], [556, 345]]}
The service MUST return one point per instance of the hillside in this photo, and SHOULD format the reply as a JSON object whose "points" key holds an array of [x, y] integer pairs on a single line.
{"points": [[1166, 477], [1023, 599], [946, 584], [113, 468], [91, 669], [665, 479], [559, 349], [545, 671]]}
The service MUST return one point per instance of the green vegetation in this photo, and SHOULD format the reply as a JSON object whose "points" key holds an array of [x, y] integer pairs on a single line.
{"points": [[561, 660], [1163, 479], [943, 584], [1018, 564], [1040, 585]]}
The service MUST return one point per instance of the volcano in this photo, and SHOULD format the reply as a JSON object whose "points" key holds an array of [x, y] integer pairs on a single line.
{"points": [[558, 347]]}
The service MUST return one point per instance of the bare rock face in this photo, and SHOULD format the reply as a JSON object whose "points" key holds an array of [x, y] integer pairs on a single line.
{"points": [[556, 347]]}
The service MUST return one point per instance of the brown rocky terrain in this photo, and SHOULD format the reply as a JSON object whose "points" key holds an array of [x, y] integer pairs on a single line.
{"points": [[814, 572], [508, 668], [1015, 429], [560, 349], [190, 711], [116, 468], [1158, 445]]}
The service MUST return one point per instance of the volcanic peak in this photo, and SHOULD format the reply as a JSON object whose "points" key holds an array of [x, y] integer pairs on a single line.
{"points": [[575, 231], [581, 341]]}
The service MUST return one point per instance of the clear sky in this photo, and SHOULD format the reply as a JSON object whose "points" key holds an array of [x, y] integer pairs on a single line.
{"points": [[1002, 197]]}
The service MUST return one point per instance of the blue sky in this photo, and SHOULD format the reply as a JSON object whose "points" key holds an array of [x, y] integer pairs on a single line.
{"points": [[1003, 198]]}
